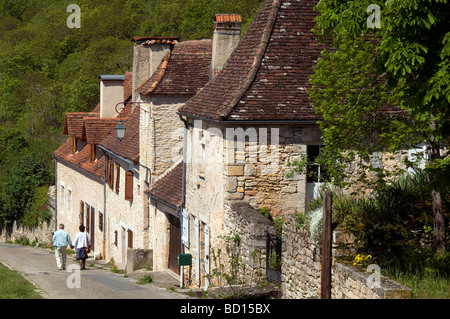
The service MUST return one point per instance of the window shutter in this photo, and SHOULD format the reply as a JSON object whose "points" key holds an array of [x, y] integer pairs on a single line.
{"points": [[88, 210], [130, 238], [117, 178], [111, 174], [129, 186], [81, 212], [106, 170], [100, 221], [74, 145]]}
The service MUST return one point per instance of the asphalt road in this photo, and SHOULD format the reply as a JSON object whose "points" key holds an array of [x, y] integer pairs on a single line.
{"points": [[39, 266]]}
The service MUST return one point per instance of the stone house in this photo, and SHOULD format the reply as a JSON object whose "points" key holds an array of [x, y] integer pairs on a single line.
{"points": [[107, 181], [242, 129], [185, 68], [79, 162]]}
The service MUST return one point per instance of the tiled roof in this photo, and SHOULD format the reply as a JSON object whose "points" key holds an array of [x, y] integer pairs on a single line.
{"points": [[168, 188], [184, 70], [91, 128], [266, 77], [80, 159], [97, 129], [128, 147], [74, 122]]}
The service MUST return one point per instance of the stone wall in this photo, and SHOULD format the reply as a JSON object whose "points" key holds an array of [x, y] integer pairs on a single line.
{"points": [[251, 226], [301, 267], [42, 233]]}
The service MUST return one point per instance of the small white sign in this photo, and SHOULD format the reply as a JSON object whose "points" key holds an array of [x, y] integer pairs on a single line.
{"points": [[185, 228]]}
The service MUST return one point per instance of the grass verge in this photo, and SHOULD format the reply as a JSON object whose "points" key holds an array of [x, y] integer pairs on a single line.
{"points": [[14, 286]]}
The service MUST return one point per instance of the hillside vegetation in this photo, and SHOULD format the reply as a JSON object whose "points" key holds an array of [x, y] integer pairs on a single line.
{"points": [[48, 69]]}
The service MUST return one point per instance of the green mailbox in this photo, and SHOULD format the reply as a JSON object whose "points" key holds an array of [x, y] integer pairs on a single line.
{"points": [[185, 259]]}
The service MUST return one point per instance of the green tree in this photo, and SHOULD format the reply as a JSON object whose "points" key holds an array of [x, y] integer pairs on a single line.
{"points": [[29, 173], [405, 63]]}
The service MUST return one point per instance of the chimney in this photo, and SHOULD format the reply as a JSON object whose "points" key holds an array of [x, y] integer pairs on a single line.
{"points": [[147, 56], [111, 93], [227, 34]]}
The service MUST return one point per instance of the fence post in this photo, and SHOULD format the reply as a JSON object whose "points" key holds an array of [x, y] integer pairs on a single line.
{"points": [[325, 278]]}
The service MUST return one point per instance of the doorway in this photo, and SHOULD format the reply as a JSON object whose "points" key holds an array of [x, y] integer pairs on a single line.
{"points": [[174, 242]]}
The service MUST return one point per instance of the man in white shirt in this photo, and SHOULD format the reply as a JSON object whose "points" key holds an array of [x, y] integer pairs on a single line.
{"points": [[60, 240]]}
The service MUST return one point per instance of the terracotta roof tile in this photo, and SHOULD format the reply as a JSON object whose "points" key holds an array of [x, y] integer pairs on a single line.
{"points": [[97, 129], [80, 159], [129, 146], [168, 188], [228, 18], [185, 70], [266, 77], [155, 40], [73, 124]]}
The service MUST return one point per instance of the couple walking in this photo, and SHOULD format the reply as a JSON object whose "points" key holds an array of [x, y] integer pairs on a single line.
{"points": [[82, 243]]}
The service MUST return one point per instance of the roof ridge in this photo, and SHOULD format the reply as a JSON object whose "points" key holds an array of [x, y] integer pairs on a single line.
{"points": [[262, 47], [161, 74]]}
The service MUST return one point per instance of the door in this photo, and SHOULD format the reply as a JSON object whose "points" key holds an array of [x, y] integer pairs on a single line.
{"points": [[174, 242]]}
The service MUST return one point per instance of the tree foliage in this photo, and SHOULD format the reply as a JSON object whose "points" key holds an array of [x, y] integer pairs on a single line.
{"points": [[48, 69], [370, 71]]}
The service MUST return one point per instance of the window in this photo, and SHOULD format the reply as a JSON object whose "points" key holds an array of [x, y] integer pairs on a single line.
{"points": [[69, 201], [100, 221], [129, 186], [63, 194], [116, 236], [315, 172]]}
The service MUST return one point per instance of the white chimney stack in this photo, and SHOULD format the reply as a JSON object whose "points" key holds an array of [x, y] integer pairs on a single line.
{"points": [[111, 93]]}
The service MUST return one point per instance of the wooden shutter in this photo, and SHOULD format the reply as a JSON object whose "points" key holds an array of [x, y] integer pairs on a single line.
{"points": [[111, 174], [129, 186], [117, 178], [130, 238], [92, 154], [81, 212], [100, 221], [74, 145], [88, 210], [106, 170]]}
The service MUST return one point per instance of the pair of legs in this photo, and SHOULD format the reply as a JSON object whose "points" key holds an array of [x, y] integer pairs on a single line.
{"points": [[82, 256], [82, 263], [61, 255]]}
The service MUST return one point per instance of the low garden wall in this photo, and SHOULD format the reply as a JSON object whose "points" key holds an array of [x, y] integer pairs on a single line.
{"points": [[301, 268], [41, 233]]}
